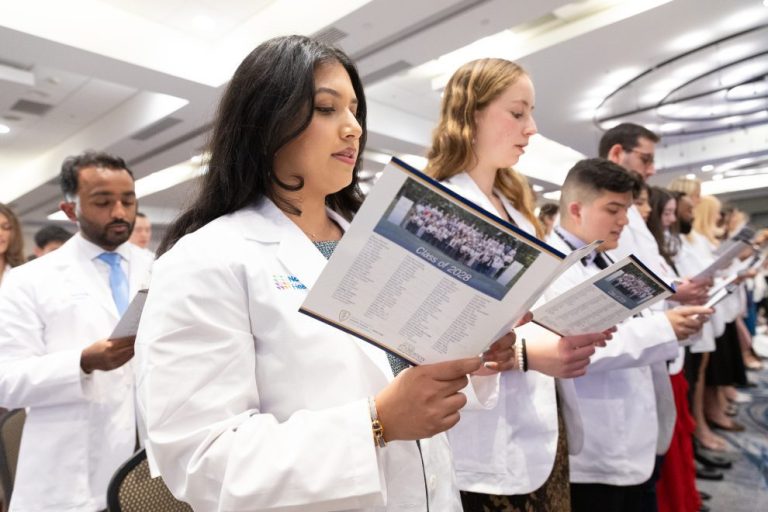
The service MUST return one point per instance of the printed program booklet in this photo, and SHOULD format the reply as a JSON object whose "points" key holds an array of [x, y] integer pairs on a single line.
{"points": [[429, 276], [723, 260], [128, 325], [606, 299]]}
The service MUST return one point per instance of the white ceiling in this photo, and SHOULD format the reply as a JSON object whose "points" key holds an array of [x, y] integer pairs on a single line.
{"points": [[114, 69]]}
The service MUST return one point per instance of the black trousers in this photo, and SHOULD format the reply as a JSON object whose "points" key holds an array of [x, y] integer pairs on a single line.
{"points": [[607, 498]]}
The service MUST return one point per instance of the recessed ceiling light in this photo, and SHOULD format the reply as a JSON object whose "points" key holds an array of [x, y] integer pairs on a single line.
{"points": [[708, 168], [4, 128], [690, 176]]}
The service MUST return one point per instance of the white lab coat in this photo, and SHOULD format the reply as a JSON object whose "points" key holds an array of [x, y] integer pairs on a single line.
{"points": [[694, 256], [510, 449], [637, 239], [5, 273], [251, 405], [79, 428], [625, 398]]}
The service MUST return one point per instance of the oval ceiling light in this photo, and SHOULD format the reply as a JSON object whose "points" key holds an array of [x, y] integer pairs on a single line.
{"points": [[720, 85], [4, 128]]}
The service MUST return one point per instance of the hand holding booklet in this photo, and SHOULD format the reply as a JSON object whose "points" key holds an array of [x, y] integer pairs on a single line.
{"points": [[724, 259], [429, 276], [608, 298], [128, 325]]}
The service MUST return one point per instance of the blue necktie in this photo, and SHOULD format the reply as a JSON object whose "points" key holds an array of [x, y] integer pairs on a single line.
{"points": [[117, 280]]}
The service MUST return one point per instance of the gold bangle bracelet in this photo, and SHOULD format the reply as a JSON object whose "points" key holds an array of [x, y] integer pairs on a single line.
{"points": [[376, 427]]}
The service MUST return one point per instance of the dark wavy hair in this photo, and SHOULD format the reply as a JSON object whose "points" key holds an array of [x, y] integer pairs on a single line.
{"points": [[626, 134], [658, 198], [72, 165], [268, 103]]}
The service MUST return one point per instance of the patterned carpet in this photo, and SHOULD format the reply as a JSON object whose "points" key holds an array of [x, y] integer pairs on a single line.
{"points": [[745, 487]]}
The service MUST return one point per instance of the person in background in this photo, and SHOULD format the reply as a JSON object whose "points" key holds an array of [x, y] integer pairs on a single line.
{"points": [[723, 366], [623, 419], [514, 456], [142, 231], [11, 241], [676, 488], [691, 187], [641, 201], [249, 404], [49, 238], [56, 358], [633, 147], [547, 216], [746, 326]]}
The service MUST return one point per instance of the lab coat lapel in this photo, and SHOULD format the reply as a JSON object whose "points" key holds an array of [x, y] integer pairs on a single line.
{"points": [[85, 276], [470, 191], [138, 278], [266, 223]]}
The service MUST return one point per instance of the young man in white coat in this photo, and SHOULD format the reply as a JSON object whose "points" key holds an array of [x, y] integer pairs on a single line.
{"points": [[616, 397], [633, 147], [56, 314]]}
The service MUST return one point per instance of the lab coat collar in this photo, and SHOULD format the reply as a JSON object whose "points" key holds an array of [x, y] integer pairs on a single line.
{"points": [[265, 222], [75, 257], [472, 192]]}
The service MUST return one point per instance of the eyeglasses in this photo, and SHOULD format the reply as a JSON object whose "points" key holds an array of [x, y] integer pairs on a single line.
{"points": [[646, 158]]}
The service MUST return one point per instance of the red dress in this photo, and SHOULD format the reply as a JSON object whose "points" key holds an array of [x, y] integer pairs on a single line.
{"points": [[676, 489]]}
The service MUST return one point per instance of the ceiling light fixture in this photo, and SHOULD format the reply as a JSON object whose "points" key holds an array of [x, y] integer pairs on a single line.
{"points": [[4, 129], [565, 23], [720, 85], [167, 178]]}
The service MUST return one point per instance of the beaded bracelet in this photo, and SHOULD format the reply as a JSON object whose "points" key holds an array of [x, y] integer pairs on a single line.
{"points": [[524, 355]]}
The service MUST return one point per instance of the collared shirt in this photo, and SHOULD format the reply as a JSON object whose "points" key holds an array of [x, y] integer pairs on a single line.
{"points": [[576, 243], [92, 252]]}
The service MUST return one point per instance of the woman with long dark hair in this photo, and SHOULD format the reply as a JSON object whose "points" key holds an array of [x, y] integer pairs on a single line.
{"points": [[676, 487], [249, 404]]}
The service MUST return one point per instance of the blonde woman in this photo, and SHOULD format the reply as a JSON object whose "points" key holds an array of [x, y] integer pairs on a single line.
{"points": [[11, 241], [697, 243], [691, 187], [514, 457], [715, 372]]}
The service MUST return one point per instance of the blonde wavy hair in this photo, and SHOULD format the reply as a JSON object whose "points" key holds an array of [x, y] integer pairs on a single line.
{"points": [[471, 88], [705, 217], [688, 186]]}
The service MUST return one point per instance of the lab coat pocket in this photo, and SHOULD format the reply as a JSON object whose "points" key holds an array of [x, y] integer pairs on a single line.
{"points": [[55, 439], [479, 440], [605, 429]]}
